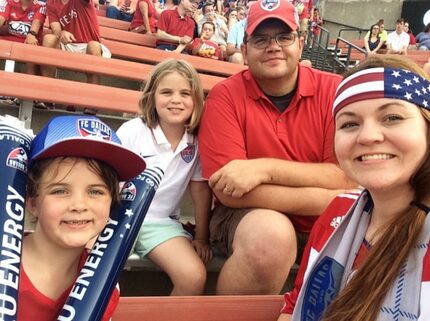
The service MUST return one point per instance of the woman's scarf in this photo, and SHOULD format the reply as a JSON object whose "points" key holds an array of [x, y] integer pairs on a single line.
{"points": [[332, 268]]}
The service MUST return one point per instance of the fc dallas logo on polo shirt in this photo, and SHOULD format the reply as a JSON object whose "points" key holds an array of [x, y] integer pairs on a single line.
{"points": [[188, 153]]}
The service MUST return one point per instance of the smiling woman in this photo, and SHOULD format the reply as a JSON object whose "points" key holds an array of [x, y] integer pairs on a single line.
{"points": [[373, 260]]}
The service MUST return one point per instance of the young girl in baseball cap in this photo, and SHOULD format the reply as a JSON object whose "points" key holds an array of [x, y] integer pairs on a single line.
{"points": [[75, 165]]}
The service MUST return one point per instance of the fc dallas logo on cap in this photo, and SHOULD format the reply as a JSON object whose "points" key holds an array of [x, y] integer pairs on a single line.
{"points": [[94, 128], [188, 153], [270, 5]]}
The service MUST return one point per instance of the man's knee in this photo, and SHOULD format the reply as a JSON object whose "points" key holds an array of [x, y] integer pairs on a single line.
{"points": [[51, 41], [266, 238], [94, 48]]}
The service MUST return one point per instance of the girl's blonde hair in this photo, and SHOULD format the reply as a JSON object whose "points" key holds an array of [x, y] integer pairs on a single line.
{"points": [[362, 297], [147, 102]]}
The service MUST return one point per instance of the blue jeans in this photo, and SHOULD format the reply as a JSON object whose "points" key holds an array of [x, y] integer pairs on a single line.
{"points": [[115, 13]]}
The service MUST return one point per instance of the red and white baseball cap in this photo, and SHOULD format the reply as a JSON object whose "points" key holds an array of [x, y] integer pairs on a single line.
{"points": [[271, 9]]}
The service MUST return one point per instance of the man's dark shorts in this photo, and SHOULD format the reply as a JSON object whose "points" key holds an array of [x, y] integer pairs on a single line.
{"points": [[223, 227]]}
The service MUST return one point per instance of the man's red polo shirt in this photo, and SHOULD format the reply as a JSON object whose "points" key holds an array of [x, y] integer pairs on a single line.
{"points": [[240, 122], [171, 22]]}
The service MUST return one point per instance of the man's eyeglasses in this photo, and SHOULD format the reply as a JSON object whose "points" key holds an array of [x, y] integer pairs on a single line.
{"points": [[263, 41]]}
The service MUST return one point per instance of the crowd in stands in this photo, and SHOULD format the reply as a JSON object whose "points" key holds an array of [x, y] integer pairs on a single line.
{"points": [[396, 42]]}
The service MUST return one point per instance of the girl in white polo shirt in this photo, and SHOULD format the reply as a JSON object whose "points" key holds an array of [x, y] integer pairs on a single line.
{"points": [[165, 135]]}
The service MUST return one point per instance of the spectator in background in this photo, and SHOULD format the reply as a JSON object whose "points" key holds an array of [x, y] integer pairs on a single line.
{"points": [[121, 9], [234, 41], [229, 6], [219, 6], [231, 19], [22, 21], [303, 8], [423, 38], [204, 46], [221, 29], [316, 21], [383, 34], [373, 42], [176, 26], [145, 18], [241, 13], [235, 38], [412, 41], [74, 28], [398, 40], [234, 16]]}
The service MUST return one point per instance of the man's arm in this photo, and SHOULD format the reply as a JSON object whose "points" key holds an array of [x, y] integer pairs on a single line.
{"points": [[35, 26], [292, 200], [162, 35], [231, 49], [56, 28], [64, 36], [242, 176]]}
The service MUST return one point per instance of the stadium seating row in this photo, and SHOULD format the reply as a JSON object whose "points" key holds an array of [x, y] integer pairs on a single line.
{"points": [[200, 308]]}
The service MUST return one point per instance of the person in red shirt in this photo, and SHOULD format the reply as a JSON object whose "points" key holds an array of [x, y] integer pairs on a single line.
{"points": [[176, 26], [266, 143], [203, 46], [73, 182], [22, 21], [145, 18], [74, 28]]}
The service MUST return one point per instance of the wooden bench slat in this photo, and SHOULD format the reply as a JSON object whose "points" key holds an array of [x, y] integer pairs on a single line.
{"points": [[128, 37], [154, 56], [67, 92], [86, 63], [199, 308], [113, 23]]}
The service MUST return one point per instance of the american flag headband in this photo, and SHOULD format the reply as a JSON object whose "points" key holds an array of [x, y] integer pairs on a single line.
{"points": [[383, 83]]}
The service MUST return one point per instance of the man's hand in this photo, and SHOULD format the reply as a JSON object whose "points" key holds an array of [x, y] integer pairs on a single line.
{"points": [[184, 40], [67, 37], [239, 177], [31, 40], [203, 250]]}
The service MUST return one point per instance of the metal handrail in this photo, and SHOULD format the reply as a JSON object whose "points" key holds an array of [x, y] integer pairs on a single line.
{"points": [[349, 46], [317, 47]]}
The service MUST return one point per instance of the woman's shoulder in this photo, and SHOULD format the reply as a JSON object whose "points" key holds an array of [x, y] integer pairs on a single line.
{"points": [[336, 210]]}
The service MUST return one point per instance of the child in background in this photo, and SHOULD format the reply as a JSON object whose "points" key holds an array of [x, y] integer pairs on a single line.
{"points": [[76, 163], [165, 135], [203, 46], [316, 22]]}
